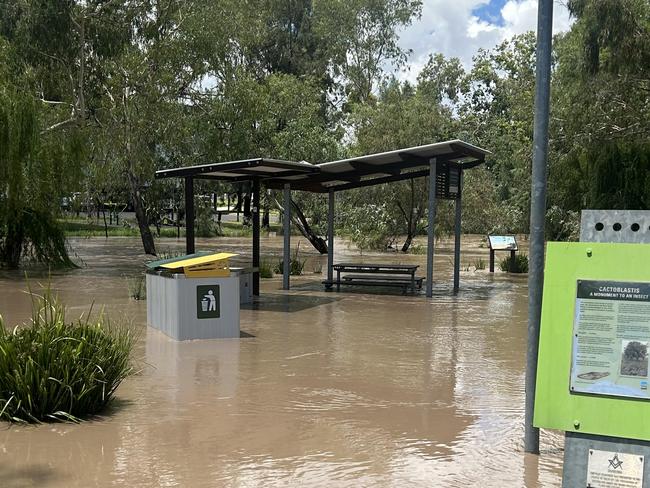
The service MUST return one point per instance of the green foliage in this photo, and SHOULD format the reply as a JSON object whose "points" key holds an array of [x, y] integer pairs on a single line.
{"points": [[28, 227], [296, 265], [205, 226], [266, 269], [53, 369], [137, 286], [479, 264], [317, 266], [520, 264]]}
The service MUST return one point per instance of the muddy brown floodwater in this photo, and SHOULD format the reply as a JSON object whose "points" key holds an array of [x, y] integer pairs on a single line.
{"points": [[330, 389]]}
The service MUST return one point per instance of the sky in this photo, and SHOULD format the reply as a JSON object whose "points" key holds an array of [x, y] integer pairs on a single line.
{"points": [[458, 28]]}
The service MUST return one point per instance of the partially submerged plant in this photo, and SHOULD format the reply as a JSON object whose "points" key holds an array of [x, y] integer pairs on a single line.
{"points": [[52, 369], [266, 269], [296, 265], [137, 286], [520, 264]]}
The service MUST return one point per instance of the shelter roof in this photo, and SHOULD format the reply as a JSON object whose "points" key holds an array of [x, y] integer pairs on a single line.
{"points": [[372, 169]]}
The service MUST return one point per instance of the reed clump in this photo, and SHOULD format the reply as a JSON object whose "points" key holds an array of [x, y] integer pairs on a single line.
{"points": [[52, 369]]}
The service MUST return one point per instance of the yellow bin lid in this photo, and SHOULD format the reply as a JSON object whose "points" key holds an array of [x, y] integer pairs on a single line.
{"points": [[208, 259]]}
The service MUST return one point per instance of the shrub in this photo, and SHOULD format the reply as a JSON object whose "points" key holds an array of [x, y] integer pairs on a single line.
{"points": [[296, 265], [418, 249], [137, 287], [51, 369], [317, 266], [479, 264], [266, 269], [520, 264]]}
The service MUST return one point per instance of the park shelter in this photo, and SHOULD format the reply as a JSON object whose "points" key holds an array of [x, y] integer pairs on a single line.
{"points": [[443, 162]]}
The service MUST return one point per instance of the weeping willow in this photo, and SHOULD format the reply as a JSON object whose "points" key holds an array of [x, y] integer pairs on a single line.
{"points": [[28, 194]]}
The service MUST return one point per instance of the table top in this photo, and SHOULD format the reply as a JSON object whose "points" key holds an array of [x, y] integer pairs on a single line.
{"points": [[356, 266]]}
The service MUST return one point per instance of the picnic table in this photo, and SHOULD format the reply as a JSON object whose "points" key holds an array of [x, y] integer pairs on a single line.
{"points": [[367, 274]]}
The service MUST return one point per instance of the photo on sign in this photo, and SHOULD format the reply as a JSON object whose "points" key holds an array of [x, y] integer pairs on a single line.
{"points": [[634, 358]]}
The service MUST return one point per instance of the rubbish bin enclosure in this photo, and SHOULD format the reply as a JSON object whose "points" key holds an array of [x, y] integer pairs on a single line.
{"points": [[194, 297]]}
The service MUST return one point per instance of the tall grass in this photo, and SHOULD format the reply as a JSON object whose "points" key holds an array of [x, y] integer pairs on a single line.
{"points": [[296, 265], [53, 369], [266, 269], [137, 286]]}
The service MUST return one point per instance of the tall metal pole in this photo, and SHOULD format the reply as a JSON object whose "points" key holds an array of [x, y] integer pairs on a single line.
{"points": [[431, 224], [256, 236], [286, 260], [330, 236], [457, 232], [189, 215], [538, 212]]}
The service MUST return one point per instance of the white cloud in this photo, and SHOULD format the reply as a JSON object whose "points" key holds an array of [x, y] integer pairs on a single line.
{"points": [[450, 28]]}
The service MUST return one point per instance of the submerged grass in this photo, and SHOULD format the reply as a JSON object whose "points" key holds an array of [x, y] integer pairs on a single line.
{"points": [[137, 286], [52, 369]]}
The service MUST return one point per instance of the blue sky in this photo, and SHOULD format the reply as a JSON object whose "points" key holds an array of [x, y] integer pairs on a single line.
{"points": [[458, 28], [491, 12]]}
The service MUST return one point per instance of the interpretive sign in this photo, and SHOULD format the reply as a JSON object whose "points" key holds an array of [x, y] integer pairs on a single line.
{"points": [[606, 469], [611, 333], [503, 243]]}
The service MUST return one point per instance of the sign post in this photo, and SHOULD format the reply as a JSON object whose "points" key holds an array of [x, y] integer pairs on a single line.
{"points": [[502, 243]]}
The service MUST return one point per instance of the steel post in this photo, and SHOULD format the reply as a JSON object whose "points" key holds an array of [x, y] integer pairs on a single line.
{"points": [[457, 233], [189, 215], [286, 263], [538, 213], [330, 236], [256, 236], [431, 224]]}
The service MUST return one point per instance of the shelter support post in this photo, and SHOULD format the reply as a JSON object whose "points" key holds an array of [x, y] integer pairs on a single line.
{"points": [[330, 236], [457, 233], [286, 256], [189, 215], [431, 224], [538, 213], [256, 237], [491, 260]]}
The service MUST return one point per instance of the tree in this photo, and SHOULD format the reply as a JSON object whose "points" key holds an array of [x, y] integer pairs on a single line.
{"points": [[403, 116], [27, 178]]}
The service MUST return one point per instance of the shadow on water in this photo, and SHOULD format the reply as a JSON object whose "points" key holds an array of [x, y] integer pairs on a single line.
{"points": [[287, 303], [36, 475]]}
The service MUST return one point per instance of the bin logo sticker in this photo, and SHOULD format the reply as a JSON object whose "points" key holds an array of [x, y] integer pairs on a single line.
{"points": [[207, 302]]}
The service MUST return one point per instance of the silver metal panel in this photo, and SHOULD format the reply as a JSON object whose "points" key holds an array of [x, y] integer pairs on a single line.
{"points": [[630, 226], [576, 455], [172, 307]]}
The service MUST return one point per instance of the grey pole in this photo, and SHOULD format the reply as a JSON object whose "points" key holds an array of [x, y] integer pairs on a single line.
{"points": [[256, 236], [189, 215], [458, 232], [286, 268], [538, 212], [431, 223], [330, 236]]}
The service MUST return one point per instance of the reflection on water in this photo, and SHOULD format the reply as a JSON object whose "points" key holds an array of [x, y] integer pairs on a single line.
{"points": [[327, 389]]}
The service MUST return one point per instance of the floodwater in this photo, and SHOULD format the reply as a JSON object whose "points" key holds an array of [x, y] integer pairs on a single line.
{"points": [[325, 389]]}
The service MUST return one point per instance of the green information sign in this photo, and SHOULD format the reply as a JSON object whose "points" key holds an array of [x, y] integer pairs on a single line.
{"points": [[608, 311], [207, 302], [611, 332]]}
